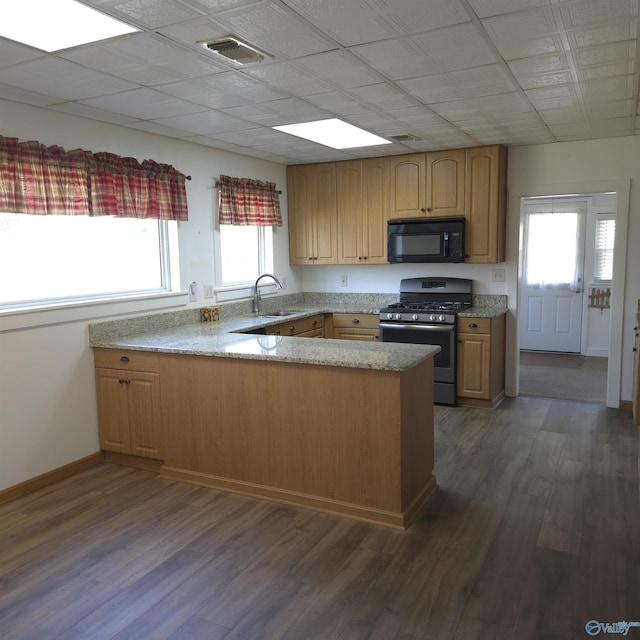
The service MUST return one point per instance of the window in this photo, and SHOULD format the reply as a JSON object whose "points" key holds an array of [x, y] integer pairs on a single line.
{"points": [[245, 253], [605, 237], [47, 259]]}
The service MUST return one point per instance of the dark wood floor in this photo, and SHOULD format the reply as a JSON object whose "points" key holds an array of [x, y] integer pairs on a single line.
{"points": [[535, 531]]}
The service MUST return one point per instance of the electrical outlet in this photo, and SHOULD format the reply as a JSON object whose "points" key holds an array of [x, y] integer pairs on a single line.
{"points": [[343, 281], [497, 275], [208, 291]]}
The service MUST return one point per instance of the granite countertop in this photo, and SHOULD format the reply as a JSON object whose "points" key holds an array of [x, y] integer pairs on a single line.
{"points": [[225, 339], [182, 332]]}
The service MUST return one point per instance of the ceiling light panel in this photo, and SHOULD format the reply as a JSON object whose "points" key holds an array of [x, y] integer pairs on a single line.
{"points": [[53, 26], [333, 133]]}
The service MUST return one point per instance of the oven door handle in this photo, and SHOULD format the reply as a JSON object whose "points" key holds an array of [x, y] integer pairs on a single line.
{"points": [[444, 328]]}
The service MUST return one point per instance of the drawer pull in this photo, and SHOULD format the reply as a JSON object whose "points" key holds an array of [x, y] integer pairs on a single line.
{"points": [[292, 328], [355, 321], [124, 359], [473, 325], [314, 323]]}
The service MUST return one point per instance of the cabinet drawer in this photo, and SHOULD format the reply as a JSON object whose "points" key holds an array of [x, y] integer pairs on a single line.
{"points": [[474, 325], [295, 327], [356, 320], [123, 359]]}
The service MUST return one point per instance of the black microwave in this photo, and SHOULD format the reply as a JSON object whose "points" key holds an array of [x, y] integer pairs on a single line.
{"points": [[425, 240]]}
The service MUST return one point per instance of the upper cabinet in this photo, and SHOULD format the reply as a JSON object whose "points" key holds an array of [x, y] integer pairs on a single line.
{"points": [[485, 210], [313, 222], [338, 210], [362, 202], [428, 185]]}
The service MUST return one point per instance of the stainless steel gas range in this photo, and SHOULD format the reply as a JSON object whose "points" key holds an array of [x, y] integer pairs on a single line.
{"points": [[426, 314]]}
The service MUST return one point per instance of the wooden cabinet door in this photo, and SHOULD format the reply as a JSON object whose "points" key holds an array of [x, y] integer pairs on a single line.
{"points": [[312, 214], [407, 186], [375, 209], [350, 212], [445, 186], [474, 352], [144, 414], [113, 410], [485, 212], [354, 333]]}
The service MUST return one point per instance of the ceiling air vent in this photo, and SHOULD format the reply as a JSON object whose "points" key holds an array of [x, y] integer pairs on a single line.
{"points": [[235, 50], [404, 137]]}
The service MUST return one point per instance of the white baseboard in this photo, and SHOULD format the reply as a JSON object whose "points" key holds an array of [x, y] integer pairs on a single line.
{"points": [[598, 353]]}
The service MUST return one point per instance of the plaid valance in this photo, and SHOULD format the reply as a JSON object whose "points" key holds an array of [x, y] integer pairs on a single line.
{"points": [[44, 180], [249, 202]]}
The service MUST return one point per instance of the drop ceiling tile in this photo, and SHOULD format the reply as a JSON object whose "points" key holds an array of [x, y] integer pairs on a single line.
{"points": [[615, 88], [338, 102], [539, 64], [612, 109], [274, 29], [613, 127], [15, 94], [85, 111], [594, 12], [352, 22], [502, 104], [619, 52], [339, 68], [204, 122], [153, 127], [563, 115], [430, 89], [546, 80], [487, 8], [288, 77], [382, 96], [457, 110], [255, 114], [458, 47], [571, 131], [146, 59], [606, 70], [144, 103], [419, 116], [14, 53], [607, 34], [194, 91], [482, 81], [193, 31], [147, 13], [524, 34], [214, 6], [293, 110], [396, 59], [61, 79]]}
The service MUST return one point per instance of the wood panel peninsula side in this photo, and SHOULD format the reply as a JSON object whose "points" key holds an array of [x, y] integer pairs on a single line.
{"points": [[341, 429]]}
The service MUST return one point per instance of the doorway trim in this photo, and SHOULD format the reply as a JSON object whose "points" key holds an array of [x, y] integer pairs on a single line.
{"points": [[514, 264]]}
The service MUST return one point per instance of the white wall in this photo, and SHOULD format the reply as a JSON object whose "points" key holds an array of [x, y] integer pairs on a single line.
{"points": [[47, 398], [581, 167], [48, 412]]}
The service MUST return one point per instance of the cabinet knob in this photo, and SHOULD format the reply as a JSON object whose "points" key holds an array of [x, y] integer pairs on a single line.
{"points": [[309, 258], [355, 321], [428, 208], [314, 323], [124, 359], [127, 381], [473, 325], [120, 381], [423, 210], [291, 328]]}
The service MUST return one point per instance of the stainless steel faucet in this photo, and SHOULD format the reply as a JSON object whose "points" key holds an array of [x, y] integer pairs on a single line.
{"points": [[256, 294]]}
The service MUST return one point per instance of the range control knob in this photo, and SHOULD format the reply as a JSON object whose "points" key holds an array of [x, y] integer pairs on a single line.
{"points": [[442, 318], [415, 316], [389, 316], [433, 317], [398, 316]]}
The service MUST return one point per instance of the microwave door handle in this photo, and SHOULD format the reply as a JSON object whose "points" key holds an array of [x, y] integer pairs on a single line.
{"points": [[446, 244]]}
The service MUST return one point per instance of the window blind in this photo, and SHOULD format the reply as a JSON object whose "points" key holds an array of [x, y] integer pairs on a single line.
{"points": [[605, 236]]}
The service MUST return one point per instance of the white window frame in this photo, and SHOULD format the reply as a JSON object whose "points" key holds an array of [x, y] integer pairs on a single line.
{"points": [[243, 289], [598, 251], [169, 274]]}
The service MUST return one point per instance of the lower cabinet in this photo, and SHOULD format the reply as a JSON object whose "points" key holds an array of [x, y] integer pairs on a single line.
{"points": [[356, 326], [312, 327], [480, 363], [128, 394]]}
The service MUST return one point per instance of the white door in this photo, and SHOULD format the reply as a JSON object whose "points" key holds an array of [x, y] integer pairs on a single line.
{"points": [[551, 286]]}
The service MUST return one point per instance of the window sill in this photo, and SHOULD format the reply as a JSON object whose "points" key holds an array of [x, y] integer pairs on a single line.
{"points": [[79, 311]]}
